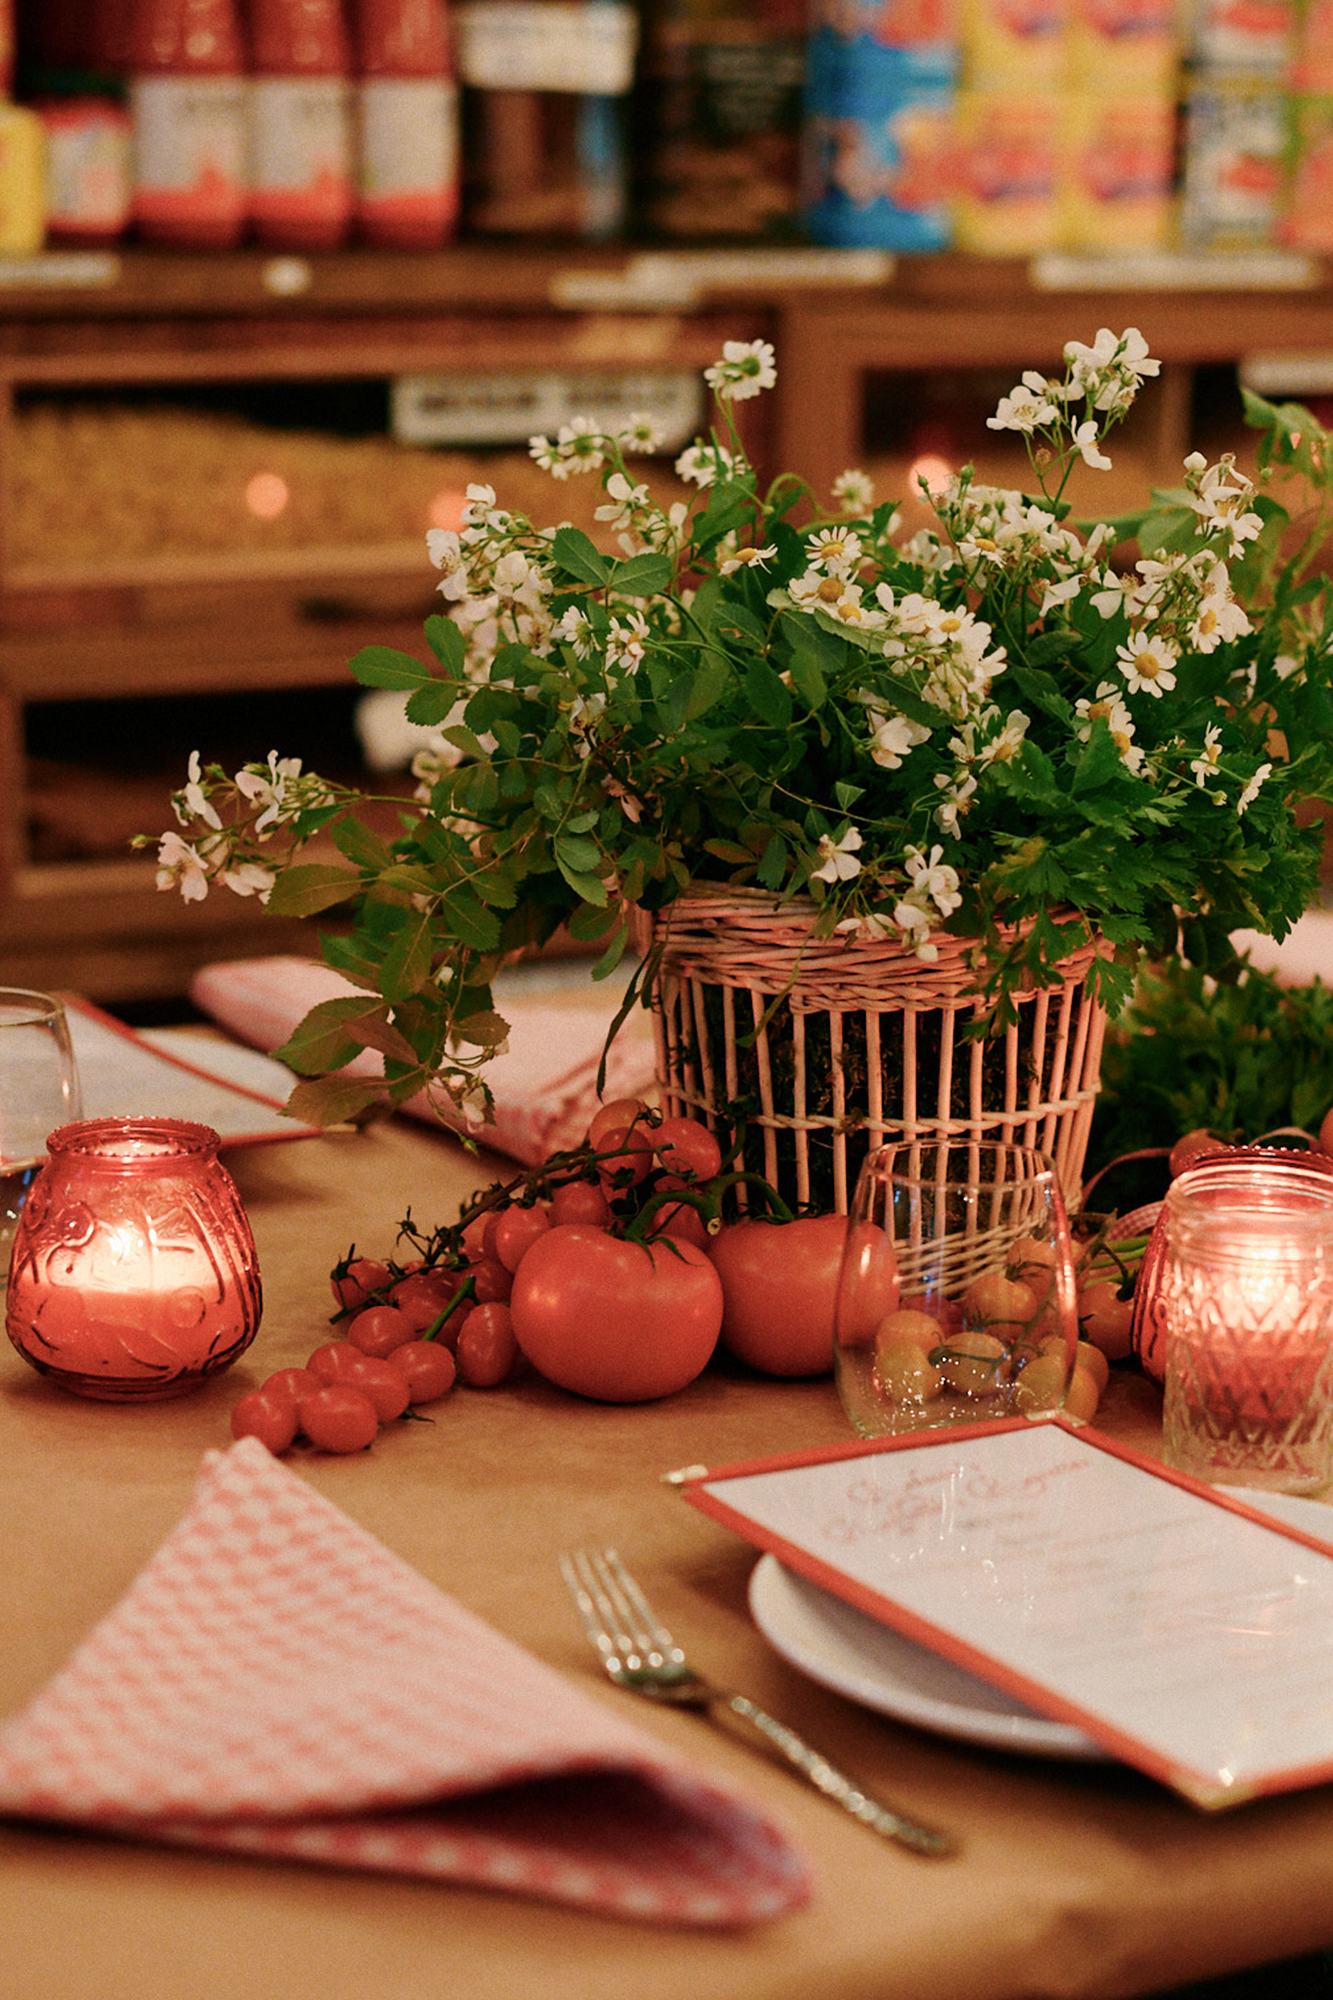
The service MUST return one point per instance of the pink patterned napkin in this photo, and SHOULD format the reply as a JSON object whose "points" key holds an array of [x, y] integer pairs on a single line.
{"points": [[545, 1086], [275, 1681]]}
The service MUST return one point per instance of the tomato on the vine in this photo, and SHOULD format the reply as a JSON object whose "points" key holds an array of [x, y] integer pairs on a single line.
{"points": [[780, 1283], [580, 1201], [512, 1233], [618, 1321], [427, 1368], [363, 1276], [339, 1418], [379, 1329], [684, 1146], [614, 1117], [487, 1349], [422, 1296], [266, 1414], [385, 1385]]}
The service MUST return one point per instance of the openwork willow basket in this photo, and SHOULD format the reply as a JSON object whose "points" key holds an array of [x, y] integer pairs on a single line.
{"points": [[827, 1048]]}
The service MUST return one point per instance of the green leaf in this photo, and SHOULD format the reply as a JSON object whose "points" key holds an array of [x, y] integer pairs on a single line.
{"points": [[773, 865], [847, 795], [466, 919], [323, 1041], [374, 1030], [311, 887], [577, 852], [578, 556], [408, 960], [354, 838], [331, 1100], [385, 667], [767, 695], [483, 1031], [589, 887], [445, 640], [642, 575], [433, 703], [730, 850], [809, 679], [613, 954]]}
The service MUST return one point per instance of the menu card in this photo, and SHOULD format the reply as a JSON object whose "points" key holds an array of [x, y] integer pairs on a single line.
{"points": [[1183, 1631]]}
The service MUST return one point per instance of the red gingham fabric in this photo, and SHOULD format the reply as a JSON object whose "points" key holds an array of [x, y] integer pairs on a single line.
{"points": [[275, 1681]]}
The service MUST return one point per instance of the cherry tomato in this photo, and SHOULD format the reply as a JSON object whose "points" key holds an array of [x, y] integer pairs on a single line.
{"points": [[487, 1349], [679, 1219], [266, 1414], [613, 1117], [292, 1383], [620, 1322], [780, 1284], [427, 1368], [379, 1329], [332, 1361], [629, 1157], [580, 1201], [684, 1146], [516, 1229], [385, 1385], [474, 1238], [339, 1418], [423, 1296], [363, 1276], [492, 1281]]}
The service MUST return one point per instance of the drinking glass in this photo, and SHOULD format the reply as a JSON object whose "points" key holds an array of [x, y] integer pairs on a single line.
{"points": [[956, 1298], [39, 1089]]}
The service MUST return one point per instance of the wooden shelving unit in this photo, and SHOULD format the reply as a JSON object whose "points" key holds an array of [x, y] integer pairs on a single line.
{"points": [[229, 621]]}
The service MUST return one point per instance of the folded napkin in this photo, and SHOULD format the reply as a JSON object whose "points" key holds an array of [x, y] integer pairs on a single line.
{"points": [[275, 1681], [545, 1085]]}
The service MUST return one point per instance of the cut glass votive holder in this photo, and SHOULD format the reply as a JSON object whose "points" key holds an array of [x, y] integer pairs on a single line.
{"points": [[1247, 1303]]}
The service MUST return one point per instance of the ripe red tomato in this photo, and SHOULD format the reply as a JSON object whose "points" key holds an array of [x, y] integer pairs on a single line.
{"points": [[266, 1414], [339, 1418], [628, 1157], [423, 1295], [613, 1117], [580, 1201], [780, 1283], [332, 1361], [487, 1349], [678, 1218], [620, 1322], [427, 1367], [385, 1385], [363, 1276], [684, 1146], [292, 1383], [379, 1329], [491, 1281], [515, 1230]]}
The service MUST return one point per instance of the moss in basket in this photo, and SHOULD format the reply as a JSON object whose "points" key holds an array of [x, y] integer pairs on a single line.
{"points": [[1010, 720]]}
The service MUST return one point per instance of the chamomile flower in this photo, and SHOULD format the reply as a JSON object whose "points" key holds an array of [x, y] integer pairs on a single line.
{"points": [[746, 559], [854, 492], [1253, 789], [746, 367], [1147, 664], [837, 551], [640, 433]]}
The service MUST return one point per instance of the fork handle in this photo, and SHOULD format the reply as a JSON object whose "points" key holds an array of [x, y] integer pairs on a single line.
{"points": [[835, 1785]]}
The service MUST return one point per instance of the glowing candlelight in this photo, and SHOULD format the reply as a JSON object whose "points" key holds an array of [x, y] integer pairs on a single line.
{"points": [[134, 1272]]}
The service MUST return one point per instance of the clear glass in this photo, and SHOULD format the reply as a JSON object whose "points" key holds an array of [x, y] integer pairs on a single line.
{"points": [[134, 1274], [1246, 1301], [39, 1089], [956, 1294]]}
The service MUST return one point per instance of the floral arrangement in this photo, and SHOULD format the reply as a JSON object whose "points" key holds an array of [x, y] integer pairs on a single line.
{"points": [[1010, 726]]}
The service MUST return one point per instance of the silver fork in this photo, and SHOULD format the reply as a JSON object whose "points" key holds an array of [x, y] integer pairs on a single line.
{"points": [[638, 1652]]}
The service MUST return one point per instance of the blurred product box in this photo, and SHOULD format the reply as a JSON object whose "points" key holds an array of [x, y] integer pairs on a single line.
{"points": [[880, 177], [1307, 223], [89, 169], [22, 181], [1007, 184], [1235, 164], [1115, 172], [1311, 73], [1017, 45], [1124, 48], [1244, 37]]}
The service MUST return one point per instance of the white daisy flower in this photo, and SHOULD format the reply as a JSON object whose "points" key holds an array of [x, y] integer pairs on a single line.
{"points": [[854, 492], [746, 367], [1147, 665], [641, 433], [1253, 789], [747, 559], [835, 550]]}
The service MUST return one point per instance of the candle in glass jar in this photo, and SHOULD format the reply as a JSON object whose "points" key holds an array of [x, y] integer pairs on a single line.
{"points": [[134, 1273], [1247, 1300]]}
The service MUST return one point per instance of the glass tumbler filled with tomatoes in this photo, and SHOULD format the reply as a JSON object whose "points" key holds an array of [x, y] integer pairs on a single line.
{"points": [[956, 1296], [134, 1274]]}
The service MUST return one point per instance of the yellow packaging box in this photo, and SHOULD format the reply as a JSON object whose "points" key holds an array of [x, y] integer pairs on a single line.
{"points": [[1116, 161], [1124, 48], [22, 181], [1014, 45], [1006, 194]]}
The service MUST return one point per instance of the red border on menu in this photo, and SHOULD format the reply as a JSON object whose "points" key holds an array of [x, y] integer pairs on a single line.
{"points": [[292, 1129], [705, 1488]]}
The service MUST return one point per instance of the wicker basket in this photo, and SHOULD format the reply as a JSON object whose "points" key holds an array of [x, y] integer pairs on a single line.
{"points": [[827, 1048]]}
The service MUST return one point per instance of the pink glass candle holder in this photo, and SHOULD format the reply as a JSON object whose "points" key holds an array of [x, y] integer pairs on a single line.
{"points": [[134, 1272], [1245, 1294]]}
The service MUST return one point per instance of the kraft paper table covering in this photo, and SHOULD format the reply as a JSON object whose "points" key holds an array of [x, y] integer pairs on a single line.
{"points": [[1074, 1880]]}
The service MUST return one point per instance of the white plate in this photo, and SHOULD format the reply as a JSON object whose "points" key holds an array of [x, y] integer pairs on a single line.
{"points": [[852, 1653]]}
